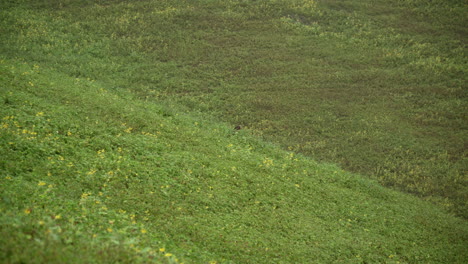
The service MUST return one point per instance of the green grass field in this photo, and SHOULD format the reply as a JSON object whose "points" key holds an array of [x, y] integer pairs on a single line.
{"points": [[117, 138]]}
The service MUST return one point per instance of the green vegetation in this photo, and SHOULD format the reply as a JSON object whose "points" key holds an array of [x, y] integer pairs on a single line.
{"points": [[113, 150]]}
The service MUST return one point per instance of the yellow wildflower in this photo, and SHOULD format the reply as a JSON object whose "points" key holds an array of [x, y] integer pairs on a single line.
{"points": [[41, 183], [268, 162]]}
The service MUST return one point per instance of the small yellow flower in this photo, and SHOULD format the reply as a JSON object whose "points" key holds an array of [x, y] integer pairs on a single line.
{"points": [[168, 255], [101, 153], [268, 162], [41, 183], [109, 230], [162, 249], [41, 222], [27, 211], [40, 114], [58, 217], [143, 231]]}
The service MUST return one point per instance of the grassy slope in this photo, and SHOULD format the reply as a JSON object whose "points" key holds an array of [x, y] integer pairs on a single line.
{"points": [[90, 170], [378, 87], [127, 176]]}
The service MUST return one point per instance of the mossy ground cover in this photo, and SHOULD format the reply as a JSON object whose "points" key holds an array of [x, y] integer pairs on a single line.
{"points": [[111, 151]]}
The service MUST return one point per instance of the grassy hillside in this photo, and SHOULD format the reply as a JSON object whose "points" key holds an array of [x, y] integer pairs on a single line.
{"points": [[110, 151], [93, 175], [378, 87]]}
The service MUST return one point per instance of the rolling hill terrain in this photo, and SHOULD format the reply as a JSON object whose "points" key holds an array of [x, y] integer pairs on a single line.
{"points": [[118, 143]]}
